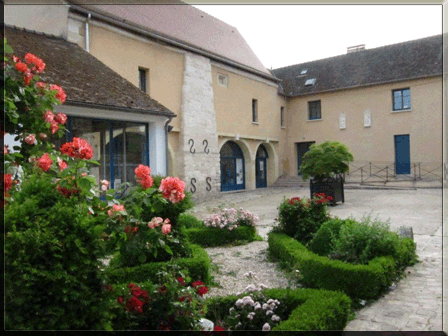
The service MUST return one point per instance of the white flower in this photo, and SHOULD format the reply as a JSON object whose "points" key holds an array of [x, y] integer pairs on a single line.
{"points": [[257, 306], [275, 318], [265, 306], [262, 286], [238, 302], [266, 327], [270, 301], [269, 312], [250, 288], [363, 302], [247, 300], [249, 317], [238, 325], [231, 310]]}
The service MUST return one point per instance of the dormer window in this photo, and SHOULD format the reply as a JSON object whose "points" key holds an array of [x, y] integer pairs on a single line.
{"points": [[304, 71], [310, 82]]}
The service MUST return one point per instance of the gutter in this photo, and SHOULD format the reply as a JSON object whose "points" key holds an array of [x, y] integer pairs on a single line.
{"points": [[87, 32], [172, 42], [170, 114]]}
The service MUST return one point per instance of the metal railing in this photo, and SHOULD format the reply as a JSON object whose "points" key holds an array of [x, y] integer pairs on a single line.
{"points": [[383, 172]]}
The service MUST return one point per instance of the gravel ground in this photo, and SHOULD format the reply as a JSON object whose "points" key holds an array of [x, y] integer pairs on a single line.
{"points": [[232, 263]]}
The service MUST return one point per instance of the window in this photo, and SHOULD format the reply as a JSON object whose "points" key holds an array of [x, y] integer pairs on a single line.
{"points": [[282, 116], [222, 80], [143, 79], [304, 71], [401, 99], [310, 82], [314, 111], [254, 110]]}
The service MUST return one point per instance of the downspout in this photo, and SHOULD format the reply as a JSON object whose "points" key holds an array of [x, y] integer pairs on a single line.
{"points": [[87, 31], [166, 144]]}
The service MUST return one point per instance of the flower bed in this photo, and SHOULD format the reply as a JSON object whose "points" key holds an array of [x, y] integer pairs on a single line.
{"points": [[357, 281], [228, 227], [300, 309], [198, 267]]}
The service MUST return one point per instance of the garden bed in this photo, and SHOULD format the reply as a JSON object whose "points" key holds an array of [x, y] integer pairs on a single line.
{"points": [[198, 267], [357, 281], [305, 309]]}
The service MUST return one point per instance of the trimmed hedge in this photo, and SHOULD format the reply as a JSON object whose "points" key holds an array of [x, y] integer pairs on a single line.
{"points": [[307, 309], [198, 267], [211, 236], [357, 281]]}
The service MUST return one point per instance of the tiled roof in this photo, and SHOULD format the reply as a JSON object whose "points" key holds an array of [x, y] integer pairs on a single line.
{"points": [[186, 24], [85, 79], [407, 60]]}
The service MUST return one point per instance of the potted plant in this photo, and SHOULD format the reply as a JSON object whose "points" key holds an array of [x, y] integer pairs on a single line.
{"points": [[326, 163]]}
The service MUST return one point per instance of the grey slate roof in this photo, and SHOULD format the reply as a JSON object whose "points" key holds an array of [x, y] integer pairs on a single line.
{"points": [[86, 80], [407, 60]]}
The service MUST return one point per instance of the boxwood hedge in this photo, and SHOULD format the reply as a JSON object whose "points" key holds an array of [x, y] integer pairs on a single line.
{"points": [[357, 281], [212, 236], [198, 267], [307, 309]]}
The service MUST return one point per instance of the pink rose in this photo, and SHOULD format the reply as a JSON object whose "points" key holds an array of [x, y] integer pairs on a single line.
{"points": [[60, 118], [30, 139], [49, 117], [166, 228], [62, 164]]}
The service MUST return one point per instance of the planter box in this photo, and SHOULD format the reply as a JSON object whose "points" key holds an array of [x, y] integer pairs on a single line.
{"points": [[334, 188]]}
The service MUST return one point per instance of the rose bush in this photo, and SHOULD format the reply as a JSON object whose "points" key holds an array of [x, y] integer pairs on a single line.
{"points": [[301, 218], [231, 219]]}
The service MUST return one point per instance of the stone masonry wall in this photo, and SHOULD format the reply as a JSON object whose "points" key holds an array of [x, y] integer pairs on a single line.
{"points": [[198, 157]]}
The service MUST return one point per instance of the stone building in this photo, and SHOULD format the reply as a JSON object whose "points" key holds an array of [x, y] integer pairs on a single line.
{"points": [[237, 124]]}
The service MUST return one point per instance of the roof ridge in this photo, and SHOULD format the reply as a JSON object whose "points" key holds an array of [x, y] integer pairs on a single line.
{"points": [[356, 53]]}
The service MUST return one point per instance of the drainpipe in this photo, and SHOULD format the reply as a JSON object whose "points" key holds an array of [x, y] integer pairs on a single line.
{"points": [[166, 143], [87, 31]]}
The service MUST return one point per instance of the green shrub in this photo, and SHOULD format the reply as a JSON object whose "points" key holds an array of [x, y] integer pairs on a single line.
{"points": [[197, 266], [211, 236], [304, 309], [189, 221], [52, 252], [325, 160], [301, 218], [323, 241], [359, 282]]}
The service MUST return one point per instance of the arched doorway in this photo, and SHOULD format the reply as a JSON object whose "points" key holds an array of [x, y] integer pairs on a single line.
{"points": [[232, 167], [261, 167]]}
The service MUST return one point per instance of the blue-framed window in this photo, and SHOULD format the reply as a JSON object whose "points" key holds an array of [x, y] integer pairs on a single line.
{"points": [[401, 99], [119, 146], [314, 110]]}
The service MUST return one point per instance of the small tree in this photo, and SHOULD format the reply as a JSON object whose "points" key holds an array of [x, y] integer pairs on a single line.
{"points": [[326, 160]]}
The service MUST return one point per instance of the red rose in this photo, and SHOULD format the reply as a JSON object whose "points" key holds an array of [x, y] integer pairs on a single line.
{"points": [[120, 299], [202, 290], [32, 59], [60, 93], [44, 162], [54, 127], [22, 67], [181, 281], [78, 148], [163, 289]]}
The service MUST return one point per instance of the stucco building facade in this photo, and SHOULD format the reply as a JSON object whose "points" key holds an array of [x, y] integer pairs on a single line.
{"points": [[238, 125]]}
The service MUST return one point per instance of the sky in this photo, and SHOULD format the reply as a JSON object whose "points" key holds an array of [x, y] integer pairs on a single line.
{"points": [[282, 35]]}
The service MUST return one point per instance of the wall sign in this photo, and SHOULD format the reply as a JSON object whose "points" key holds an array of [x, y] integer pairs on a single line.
{"points": [[342, 121], [367, 119]]}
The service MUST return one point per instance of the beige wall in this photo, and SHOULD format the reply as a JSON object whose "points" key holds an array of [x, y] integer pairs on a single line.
{"points": [[125, 54], [49, 19], [233, 106], [423, 122]]}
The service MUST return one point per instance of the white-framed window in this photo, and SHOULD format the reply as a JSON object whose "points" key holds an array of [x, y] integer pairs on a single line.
{"points": [[223, 80]]}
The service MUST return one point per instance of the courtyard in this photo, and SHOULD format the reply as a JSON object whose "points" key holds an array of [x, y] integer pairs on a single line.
{"points": [[414, 303]]}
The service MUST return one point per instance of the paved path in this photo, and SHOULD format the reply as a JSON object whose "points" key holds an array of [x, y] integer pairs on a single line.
{"points": [[416, 302]]}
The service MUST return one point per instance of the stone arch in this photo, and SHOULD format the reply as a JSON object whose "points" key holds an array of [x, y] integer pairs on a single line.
{"points": [[247, 163], [272, 162]]}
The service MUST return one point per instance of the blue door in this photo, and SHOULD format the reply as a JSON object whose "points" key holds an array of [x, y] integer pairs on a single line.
{"points": [[261, 167], [402, 154], [232, 167]]}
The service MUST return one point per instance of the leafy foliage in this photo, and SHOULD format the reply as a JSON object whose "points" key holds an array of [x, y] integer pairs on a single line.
{"points": [[324, 161]]}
